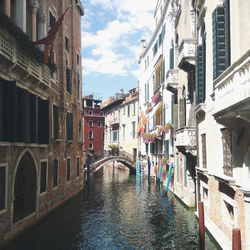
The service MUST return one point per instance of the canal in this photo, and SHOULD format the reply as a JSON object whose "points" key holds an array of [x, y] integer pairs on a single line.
{"points": [[115, 211]]}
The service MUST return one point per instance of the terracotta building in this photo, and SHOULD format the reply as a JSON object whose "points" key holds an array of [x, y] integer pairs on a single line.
{"points": [[40, 111], [93, 124]]}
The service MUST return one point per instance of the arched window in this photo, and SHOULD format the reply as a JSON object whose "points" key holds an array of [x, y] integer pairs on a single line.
{"points": [[25, 188]]}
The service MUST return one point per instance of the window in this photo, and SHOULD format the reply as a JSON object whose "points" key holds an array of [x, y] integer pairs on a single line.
{"points": [[77, 59], [91, 123], [200, 72], [69, 80], [204, 153], [43, 177], [69, 126], [67, 44], [185, 169], [221, 38], [52, 20], [55, 122], [133, 130], [3, 175], [91, 146], [102, 113], [227, 151], [78, 166], [90, 112], [80, 138], [98, 123], [68, 170], [166, 148], [55, 173], [171, 58], [133, 108], [78, 82], [123, 131], [24, 117], [91, 134], [128, 109]]}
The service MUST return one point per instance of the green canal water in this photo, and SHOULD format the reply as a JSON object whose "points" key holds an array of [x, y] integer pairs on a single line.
{"points": [[115, 211]]}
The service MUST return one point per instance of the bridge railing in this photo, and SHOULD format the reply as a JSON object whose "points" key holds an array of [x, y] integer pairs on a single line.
{"points": [[97, 156]]}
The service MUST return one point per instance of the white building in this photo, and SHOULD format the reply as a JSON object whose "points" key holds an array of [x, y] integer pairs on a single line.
{"points": [[223, 117], [121, 117], [156, 102]]}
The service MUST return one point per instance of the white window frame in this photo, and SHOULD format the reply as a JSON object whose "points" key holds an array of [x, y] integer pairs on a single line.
{"points": [[99, 124], [41, 161], [92, 123], [102, 113], [2, 165], [90, 112], [92, 145], [91, 137]]}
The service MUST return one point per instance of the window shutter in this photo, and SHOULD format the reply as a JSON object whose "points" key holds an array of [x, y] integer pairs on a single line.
{"points": [[182, 112], [171, 58], [219, 46], [43, 121], [68, 79], [9, 110], [227, 33], [200, 73], [71, 126]]}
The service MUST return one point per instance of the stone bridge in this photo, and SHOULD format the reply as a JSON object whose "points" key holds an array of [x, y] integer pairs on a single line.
{"points": [[99, 159]]}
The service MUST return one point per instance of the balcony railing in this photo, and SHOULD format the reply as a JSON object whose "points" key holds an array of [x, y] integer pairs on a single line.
{"points": [[12, 53], [186, 52], [186, 137], [233, 86], [172, 78]]}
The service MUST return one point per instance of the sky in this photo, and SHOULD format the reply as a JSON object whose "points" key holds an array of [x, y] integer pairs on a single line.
{"points": [[111, 35]]}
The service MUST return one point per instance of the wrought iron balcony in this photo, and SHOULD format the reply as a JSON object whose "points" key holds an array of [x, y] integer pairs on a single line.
{"points": [[13, 57], [186, 139], [186, 60], [172, 78]]}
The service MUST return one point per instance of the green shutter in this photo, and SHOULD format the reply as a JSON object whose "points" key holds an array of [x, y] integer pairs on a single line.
{"points": [[171, 58], [227, 33], [219, 46], [200, 72], [166, 148]]}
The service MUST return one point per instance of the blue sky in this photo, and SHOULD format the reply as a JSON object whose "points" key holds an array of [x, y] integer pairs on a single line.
{"points": [[111, 34]]}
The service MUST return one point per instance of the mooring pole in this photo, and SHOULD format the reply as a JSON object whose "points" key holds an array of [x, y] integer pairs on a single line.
{"points": [[236, 239], [201, 225]]}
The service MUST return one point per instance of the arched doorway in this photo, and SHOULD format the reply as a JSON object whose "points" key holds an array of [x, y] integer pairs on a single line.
{"points": [[25, 188]]}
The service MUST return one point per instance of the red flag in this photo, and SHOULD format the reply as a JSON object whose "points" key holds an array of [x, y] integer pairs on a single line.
{"points": [[50, 39]]}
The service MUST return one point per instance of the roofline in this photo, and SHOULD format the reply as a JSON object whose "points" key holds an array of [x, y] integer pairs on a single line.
{"points": [[156, 30]]}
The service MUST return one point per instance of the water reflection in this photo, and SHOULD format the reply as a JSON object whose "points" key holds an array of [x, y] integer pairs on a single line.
{"points": [[116, 211]]}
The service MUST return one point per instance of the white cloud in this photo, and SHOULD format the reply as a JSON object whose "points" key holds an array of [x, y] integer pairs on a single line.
{"points": [[115, 49]]}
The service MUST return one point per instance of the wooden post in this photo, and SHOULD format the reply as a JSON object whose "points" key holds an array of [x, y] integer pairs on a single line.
{"points": [[236, 239], [201, 226]]}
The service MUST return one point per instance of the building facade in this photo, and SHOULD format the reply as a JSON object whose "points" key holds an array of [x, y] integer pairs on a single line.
{"points": [[157, 99], [93, 124], [222, 111], [40, 111], [121, 116], [185, 126]]}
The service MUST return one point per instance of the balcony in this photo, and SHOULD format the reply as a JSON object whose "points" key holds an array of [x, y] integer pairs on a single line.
{"points": [[172, 78], [186, 59], [20, 64], [232, 92], [186, 139]]}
